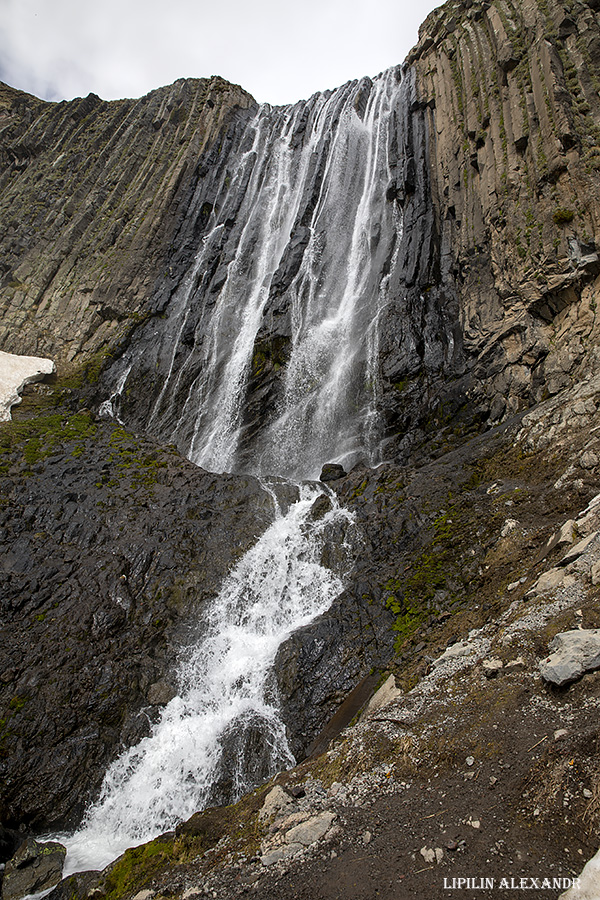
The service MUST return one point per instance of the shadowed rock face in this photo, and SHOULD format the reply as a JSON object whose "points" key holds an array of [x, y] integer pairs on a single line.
{"points": [[111, 547]]}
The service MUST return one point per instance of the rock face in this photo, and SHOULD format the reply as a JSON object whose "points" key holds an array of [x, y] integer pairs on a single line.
{"points": [[506, 94], [91, 196], [35, 867], [111, 547]]}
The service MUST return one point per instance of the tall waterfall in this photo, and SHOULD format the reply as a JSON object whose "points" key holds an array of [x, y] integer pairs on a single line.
{"points": [[290, 278]]}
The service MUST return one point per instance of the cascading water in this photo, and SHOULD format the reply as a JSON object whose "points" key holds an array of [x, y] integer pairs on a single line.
{"points": [[224, 703], [291, 275], [299, 243]]}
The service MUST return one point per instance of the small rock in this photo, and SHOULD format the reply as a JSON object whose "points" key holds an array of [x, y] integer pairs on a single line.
{"points": [[451, 845], [588, 460], [580, 548], [470, 760], [298, 791], [587, 794], [279, 853], [548, 581], [518, 663], [367, 837], [536, 811], [331, 472], [386, 694], [595, 573], [276, 802], [312, 830], [35, 867], [491, 667], [508, 526], [439, 855], [560, 734], [493, 780], [428, 855], [475, 823]]}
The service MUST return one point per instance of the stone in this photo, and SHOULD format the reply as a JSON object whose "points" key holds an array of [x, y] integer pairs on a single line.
{"points": [[470, 760], [509, 526], [549, 581], [280, 853], [573, 654], [332, 472], [595, 573], [587, 886], [560, 733], [588, 460], [35, 867], [15, 372], [277, 802], [491, 667], [565, 535], [518, 663], [367, 838], [461, 648], [578, 550], [427, 854], [160, 693], [312, 830], [387, 693]]}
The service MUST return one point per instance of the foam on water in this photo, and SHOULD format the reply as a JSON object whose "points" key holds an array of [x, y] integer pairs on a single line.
{"points": [[224, 695]]}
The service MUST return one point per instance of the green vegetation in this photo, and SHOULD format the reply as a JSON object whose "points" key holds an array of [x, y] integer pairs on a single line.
{"points": [[411, 597], [37, 438], [562, 216]]}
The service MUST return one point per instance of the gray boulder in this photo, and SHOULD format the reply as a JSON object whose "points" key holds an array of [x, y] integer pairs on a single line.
{"points": [[573, 653]]}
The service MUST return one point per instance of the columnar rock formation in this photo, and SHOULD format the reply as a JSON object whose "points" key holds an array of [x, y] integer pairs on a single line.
{"points": [[507, 94], [90, 195]]}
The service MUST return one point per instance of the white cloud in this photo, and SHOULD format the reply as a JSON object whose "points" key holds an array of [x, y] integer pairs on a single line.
{"points": [[280, 52]]}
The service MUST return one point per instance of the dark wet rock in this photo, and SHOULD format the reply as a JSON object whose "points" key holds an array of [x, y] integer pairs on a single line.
{"points": [[331, 472], [112, 548], [320, 507], [35, 867]]}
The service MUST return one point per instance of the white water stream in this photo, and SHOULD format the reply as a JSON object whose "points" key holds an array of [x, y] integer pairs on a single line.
{"points": [[277, 587]]}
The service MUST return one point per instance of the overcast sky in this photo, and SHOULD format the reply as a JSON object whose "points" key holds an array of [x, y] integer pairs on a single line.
{"points": [[278, 51]]}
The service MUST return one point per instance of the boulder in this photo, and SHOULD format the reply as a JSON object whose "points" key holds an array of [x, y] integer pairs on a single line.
{"points": [[331, 472], [574, 652], [35, 867], [587, 886]]}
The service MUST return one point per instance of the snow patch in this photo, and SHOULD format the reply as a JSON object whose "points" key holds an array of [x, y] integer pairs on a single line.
{"points": [[15, 373]]}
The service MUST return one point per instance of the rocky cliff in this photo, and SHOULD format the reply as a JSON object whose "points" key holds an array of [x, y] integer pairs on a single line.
{"points": [[506, 104], [91, 194]]}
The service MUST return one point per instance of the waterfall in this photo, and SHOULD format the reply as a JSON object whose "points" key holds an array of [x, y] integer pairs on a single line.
{"points": [[266, 360], [289, 279], [224, 722]]}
